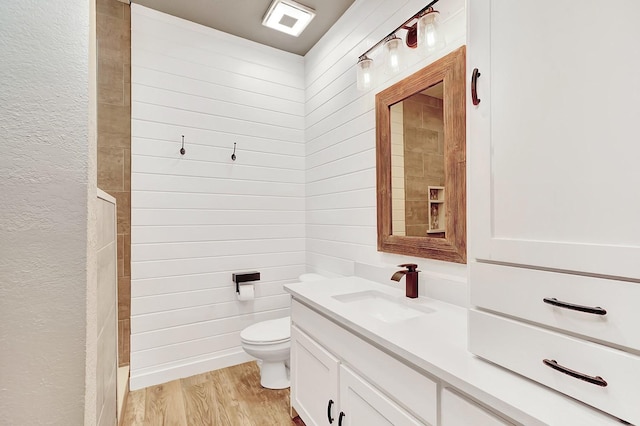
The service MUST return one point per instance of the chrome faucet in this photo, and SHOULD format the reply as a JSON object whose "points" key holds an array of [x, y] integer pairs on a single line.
{"points": [[412, 278]]}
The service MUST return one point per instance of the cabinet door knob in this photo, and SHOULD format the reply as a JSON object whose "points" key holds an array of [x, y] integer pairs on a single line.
{"points": [[596, 380], [588, 309], [340, 418], [329, 405], [474, 89]]}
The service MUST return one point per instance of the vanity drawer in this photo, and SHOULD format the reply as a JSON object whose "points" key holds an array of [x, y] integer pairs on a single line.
{"points": [[519, 292], [522, 348], [410, 389]]}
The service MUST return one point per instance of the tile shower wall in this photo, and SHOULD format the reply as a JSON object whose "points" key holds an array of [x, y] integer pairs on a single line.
{"points": [[113, 21], [200, 217], [423, 158], [340, 143]]}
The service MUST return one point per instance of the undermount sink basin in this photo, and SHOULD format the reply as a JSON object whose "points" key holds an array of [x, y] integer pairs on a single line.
{"points": [[382, 306]]}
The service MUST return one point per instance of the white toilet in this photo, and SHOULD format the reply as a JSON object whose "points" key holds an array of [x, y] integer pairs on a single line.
{"points": [[270, 342]]}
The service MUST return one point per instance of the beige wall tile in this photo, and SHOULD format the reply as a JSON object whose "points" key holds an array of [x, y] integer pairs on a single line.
{"points": [[111, 169], [111, 8], [111, 82], [124, 336], [127, 170], [127, 255], [114, 120], [124, 298], [123, 201]]}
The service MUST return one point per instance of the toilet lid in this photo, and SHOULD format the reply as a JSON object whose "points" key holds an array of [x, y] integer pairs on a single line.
{"points": [[270, 331]]}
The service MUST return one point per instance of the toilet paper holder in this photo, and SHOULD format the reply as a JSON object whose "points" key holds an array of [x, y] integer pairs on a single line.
{"points": [[244, 277]]}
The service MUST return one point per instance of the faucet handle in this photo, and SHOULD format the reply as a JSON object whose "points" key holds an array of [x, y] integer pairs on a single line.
{"points": [[411, 267]]}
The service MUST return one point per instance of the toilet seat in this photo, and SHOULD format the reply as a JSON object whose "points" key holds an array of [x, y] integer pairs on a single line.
{"points": [[268, 332]]}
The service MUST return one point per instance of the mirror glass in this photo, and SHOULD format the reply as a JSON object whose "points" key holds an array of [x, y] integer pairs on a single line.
{"points": [[421, 162], [417, 164]]}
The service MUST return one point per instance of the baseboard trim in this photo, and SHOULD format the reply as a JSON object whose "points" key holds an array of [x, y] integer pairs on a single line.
{"points": [[187, 368]]}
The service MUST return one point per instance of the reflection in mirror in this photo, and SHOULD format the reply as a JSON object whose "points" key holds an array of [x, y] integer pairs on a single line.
{"points": [[417, 164]]}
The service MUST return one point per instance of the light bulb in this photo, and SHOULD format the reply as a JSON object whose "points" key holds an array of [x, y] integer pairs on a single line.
{"points": [[364, 67], [429, 37], [392, 51]]}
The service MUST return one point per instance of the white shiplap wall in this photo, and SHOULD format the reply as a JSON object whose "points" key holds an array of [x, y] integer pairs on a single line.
{"points": [[340, 146], [200, 217]]}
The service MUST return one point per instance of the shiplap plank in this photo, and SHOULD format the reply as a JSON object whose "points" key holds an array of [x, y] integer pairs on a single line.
{"points": [[213, 90], [147, 199], [211, 280], [163, 251], [209, 233], [343, 165], [174, 318], [167, 183], [347, 199], [364, 235], [189, 299], [200, 330], [360, 179], [208, 169], [169, 216], [153, 269], [221, 108], [204, 138], [189, 45], [204, 120], [159, 62], [365, 216]]}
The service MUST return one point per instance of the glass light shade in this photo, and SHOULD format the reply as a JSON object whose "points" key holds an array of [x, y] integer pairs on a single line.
{"points": [[429, 36], [392, 54], [365, 68]]}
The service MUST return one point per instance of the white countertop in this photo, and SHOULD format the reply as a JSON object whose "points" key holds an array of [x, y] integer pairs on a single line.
{"points": [[437, 342]]}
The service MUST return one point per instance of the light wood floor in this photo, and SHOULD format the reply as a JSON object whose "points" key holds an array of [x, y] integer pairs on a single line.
{"points": [[228, 397]]}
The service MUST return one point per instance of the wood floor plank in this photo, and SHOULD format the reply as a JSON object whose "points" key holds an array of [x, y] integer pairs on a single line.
{"points": [[227, 397], [135, 408], [165, 405]]}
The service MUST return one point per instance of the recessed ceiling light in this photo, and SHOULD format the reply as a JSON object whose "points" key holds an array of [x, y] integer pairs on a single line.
{"points": [[288, 16]]}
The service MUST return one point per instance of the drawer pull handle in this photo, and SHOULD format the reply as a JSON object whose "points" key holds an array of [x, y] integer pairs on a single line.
{"points": [[329, 411], [597, 380], [588, 309], [340, 418]]}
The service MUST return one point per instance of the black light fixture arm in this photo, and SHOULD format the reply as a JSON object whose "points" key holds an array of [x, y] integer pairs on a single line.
{"points": [[403, 25]]}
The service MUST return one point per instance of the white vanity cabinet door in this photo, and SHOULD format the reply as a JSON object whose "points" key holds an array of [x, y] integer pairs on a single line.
{"points": [[362, 404], [458, 411], [553, 146], [314, 380]]}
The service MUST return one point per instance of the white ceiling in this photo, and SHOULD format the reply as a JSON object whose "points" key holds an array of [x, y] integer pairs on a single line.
{"points": [[243, 18]]}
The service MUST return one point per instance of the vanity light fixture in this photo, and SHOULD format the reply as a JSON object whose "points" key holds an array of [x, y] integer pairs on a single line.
{"points": [[364, 72], [428, 30], [392, 54], [424, 34], [288, 17]]}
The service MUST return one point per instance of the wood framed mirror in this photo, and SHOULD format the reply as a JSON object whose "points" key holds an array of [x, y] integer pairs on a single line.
{"points": [[421, 162]]}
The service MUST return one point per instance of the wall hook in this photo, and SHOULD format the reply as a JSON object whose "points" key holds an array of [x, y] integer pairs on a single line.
{"points": [[182, 151], [233, 156]]}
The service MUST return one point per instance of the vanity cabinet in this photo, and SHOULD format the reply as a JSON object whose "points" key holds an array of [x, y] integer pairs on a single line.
{"points": [[553, 146], [370, 387], [314, 383], [324, 391], [554, 235]]}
